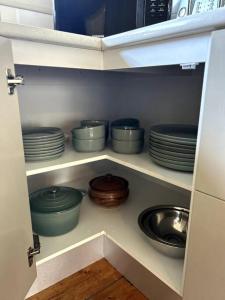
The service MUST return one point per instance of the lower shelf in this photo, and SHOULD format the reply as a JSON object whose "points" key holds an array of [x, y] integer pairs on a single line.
{"points": [[120, 225], [139, 162]]}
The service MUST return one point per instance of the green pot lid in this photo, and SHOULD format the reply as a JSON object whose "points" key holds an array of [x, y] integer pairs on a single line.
{"points": [[54, 199]]}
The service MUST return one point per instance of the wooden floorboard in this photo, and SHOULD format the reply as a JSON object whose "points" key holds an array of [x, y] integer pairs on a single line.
{"points": [[96, 282], [121, 289]]}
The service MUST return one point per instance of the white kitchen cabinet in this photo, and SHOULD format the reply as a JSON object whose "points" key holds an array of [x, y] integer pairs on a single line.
{"points": [[15, 223], [27, 12], [211, 166], [25, 17], [42, 6], [205, 273], [61, 97]]}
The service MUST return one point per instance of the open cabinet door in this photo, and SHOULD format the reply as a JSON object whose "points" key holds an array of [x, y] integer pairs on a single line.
{"points": [[16, 276]]}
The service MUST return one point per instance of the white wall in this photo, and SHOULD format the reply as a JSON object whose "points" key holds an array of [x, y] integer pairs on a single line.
{"points": [[63, 97], [27, 12], [43, 6]]}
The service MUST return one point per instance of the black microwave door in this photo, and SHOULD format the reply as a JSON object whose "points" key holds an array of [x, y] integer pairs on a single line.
{"points": [[120, 16], [80, 16]]}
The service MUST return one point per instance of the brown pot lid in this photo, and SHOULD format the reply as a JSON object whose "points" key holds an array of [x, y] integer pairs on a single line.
{"points": [[108, 183]]}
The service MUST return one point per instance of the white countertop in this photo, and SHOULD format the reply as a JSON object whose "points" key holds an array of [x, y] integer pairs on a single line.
{"points": [[201, 23], [193, 24]]}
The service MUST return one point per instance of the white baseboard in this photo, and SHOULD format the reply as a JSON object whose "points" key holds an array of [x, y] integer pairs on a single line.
{"points": [[71, 260], [137, 274]]}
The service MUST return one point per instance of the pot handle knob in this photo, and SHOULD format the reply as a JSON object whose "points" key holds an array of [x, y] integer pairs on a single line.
{"points": [[83, 192], [53, 190]]}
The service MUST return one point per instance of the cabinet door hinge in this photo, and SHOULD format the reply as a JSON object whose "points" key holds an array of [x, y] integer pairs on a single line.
{"points": [[32, 251], [13, 81]]}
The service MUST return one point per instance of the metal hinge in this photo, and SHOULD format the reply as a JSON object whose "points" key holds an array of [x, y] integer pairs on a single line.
{"points": [[13, 81], [34, 251], [189, 66]]}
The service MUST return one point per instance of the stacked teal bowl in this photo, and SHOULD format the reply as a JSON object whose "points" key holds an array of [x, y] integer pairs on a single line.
{"points": [[89, 138], [91, 123], [127, 140]]}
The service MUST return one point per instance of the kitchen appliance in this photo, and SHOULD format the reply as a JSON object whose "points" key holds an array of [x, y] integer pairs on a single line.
{"points": [[107, 17], [192, 7], [199, 6]]}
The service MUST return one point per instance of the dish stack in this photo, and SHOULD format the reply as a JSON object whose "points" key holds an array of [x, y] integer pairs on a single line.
{"points": [[89, 138], [173, 146], [43, 143], [127, 136], [127, 140]]}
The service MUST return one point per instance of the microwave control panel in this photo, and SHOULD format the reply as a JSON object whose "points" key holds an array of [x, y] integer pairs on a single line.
{"points": [[156, 11]]}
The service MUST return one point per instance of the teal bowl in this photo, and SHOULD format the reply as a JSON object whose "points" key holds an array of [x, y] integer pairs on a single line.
{"points": [[87, 133], [128, 122], [92, 123], [88, 145], [127, 147], [124, 133]]}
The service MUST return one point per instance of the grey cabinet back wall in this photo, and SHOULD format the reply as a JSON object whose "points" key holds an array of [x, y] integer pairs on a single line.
{"points": [[62, 97]]}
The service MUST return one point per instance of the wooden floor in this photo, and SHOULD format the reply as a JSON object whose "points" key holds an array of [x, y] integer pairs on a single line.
{"points": [[99, 281]]}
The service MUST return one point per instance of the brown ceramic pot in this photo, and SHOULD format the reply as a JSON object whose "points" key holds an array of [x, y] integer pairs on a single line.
{"points": [[108, 190]]}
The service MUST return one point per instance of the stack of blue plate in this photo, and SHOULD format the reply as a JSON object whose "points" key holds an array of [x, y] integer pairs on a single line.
{"points": [[173, 146], [43, 143]]}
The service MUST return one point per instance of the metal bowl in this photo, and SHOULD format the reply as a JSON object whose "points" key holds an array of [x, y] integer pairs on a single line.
{"points": [[166, 227]]}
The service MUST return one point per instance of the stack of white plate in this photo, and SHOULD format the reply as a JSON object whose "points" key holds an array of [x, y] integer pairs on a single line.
{"points": [[173, 146], [43, 143]]}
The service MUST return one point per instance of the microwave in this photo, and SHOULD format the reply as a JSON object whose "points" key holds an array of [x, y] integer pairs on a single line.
{"points": [[108, 17]]}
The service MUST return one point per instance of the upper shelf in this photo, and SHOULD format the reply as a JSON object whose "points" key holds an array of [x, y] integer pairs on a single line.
{"points": [[176, 41], [139, 162]]}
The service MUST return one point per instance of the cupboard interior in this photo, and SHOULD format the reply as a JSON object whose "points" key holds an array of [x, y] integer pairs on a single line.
{"points": [[119, 223], [62, 97]]}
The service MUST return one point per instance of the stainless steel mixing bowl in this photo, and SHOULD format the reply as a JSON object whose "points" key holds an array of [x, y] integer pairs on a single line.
{"points": [[166, 227]]}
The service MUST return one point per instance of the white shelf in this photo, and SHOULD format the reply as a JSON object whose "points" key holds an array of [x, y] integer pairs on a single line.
{"points": [[69, 159], [139, 162], [201, 23], [182, 40], [120, 224], [49, 36]]}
